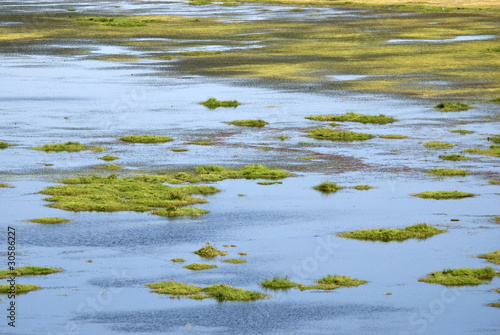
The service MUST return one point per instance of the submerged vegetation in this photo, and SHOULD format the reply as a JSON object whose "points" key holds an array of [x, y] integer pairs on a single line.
{"points": [[209, 251], [50, 220], [355, 117], [493, 257], [28, 271], [448, 172], [328, 187], [452, 106], [248, 123], [18, 288], [68, 146], [438, 145], [461, 276], [337, 135], [419, 231], [438, 195], [213, 103], [146, 139], [199, 266]]}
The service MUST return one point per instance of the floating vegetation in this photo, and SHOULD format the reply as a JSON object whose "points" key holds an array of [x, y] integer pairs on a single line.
{"points": [[201, 143], [49, 220], [18, 288], [146, 139], [394, 136], [438, 145], [494, 150], [448, 172], [199, 2], [4, 145], [363, 187], [443, 195], [494, 139], [179, 150], [333, 282], [28, 271], [354, 117], [493, 257], [452, 106], [209, 251], [497, 218], [282, 137], [223, 292], [245, 254], [200, 53], [454, 157], [248, 172], [178, 260], [174, 288], [213, 103], [337, 135], [68, 146], [234, 261], [109, 167], [328, 187], [109, 158], [269, 182], [248, 123], [306, 158], [232, 4], [71, 9], [419, 231], [117, 21], [199, 266], [278, 283], [494, 182], [4, 185], [460, 276], [462, 131]]}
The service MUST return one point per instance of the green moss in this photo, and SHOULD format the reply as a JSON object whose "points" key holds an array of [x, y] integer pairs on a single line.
{"points": [[199, 266], [448, 172], [178, 260], [337, 135], [394, 136], [223, 292], [460, 276], [248, 123], [146, 139], [109, 167], [248, 172], [493, 257], [438, 145], [200, 53], [213, 103], [328, 187], [4, 145], [462, 131], [174, 288], [179, 150], [68, 146], [354, 117], [209, 251], [418, 231], [443, 195], [494, 150], [109, 158], [454, 157], [452, 106], [234, 261], [18, 288], [28, 271], [49, 220], [278, 283], [363, 187]]}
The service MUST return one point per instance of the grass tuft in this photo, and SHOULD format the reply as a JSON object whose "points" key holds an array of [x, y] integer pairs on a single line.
{"points": [[213, 103], [199, 266], [174, 288], [493, 150], [109, 167], [146, 139], [341, 281], [438, 145], [460, 276], [234, 261], [223, 292], [28, 271], [68, 146], [179, 150], [200, 53], [178, 260], [4, 145], [454, 157], [337, 135], [394, 136], [278, 283], [494, 139], [438, 195], [462, 131], [209, 251], [4, 185], [493, 257], [363, 187], [354, 117], [109, 158], [248, 123], [201, 143], [328, 187], [50, 220], [18, 288], [448, 172], [452, 106], [419, 231], [282, 137]]}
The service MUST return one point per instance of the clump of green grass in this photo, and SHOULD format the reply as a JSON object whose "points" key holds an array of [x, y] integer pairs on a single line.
{"points": [[223, 292], [109, 158], [4, 185], [117, 21], [28, 271], [4, 145], [297, 9], [452, 106], [209, 251], [146, 139], [248, 123], [462, 131], [231, 4], [71, 9], [306, 158], [282, 137], [494, 139], [337, 135], [328, 187], [497, 219], [493, 257], [419, 231], [213, 103], [269, 182], [460, 276], [179, 150], [201, 143], [363, 187], [109, 167], [495, 304], [178, 260], [164, 57], [448, 172], [247, 172], [438, 195], [234, 261], [454, 157], [199, 266], [330, 282], [493, 150], [19, 288], [242, 253], [278, 283], [496, 100], [265, 149], [174, 288], [494, 182], [438, 145], [354, 117], [68, 146], [50, 220], [199, 2], [394, 136]]}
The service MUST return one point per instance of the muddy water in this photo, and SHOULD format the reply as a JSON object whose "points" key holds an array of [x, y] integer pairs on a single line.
{"points": [[286, 229]]}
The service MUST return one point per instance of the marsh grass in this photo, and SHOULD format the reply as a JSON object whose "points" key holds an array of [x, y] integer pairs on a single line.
{"points": [[330, 282], [363, 187], [419, 231], [174, 288], [493, 150], [146, 139], [494, 139], [49, 220], [461, 276], [68, 146], [452, 106], [231, 4], [462, 131], [199, 2], [248, 172], [454, 157], [337, 135], [4, 145], [164, 57], [209, 251], [278, 283], [234, 261], [178, 260], [495, 304], [201, 143], [109, 167], [328, 187], [28, 271], [213, 103], [354, 117], [223, 292], [201, 53], [494, 182], [394, 136], [282, 137], [438, 195], [19, 288], [242, 253], [179, 150], [448, 172], [248, 123], [199, 266], [109, 158], [4, 185], [438, 145], [269, 182], [493, 257]]}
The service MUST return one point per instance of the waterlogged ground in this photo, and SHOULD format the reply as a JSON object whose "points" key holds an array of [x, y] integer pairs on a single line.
{"points": [[286, 229]]}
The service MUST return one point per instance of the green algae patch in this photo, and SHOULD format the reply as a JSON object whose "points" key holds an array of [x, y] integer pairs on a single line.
{"points": [[179, 150], [363, 187], [355, 117], [248, 123], [235, 261], [49, 220], [199, 266], [439, 195], [448, 172], [178, 260], [493, 257], [174, 288], [139, 194], [330, 282], [28, 271], [213, 103], [493, 150], [109, 158], [4, 145], [337, 135], [419, 231], [278, 283], [454, 157], [461, 276], [452, 106], [18, 288], [328, 187], [68, 146], [462, 131], [209, 251], [146, 139], [438, 145], [394, 136], [109, 167], [223, 292]]}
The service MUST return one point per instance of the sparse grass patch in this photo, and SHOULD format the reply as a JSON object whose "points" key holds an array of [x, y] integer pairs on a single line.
{"points": [[109, 158], [248, 123], [494, 150], [278, 283], [452, 106], [306, 157], [223, 292], [494, 139], [494, 182], [438, 145], [460, 276], [281, 137], [418, 231], [178, 260], [394, 136], [209, 251], [19, 288], [269, 182], [4, 145], [201, 143], [234, 261], [174, 288], [146, 139], [164, 57], [354, 117], [337, 135], [200, 53], [363, 187], [4, 185], [199, 2], [109, 167], [454, 157], [71, 9], [448, 172], [179, 149], [462, 131], [341, 281], [68, 146], [328, 187], [265, 149], [28, 271], [213, 103], [496, 100], [493, 257], [438, 195], [497, 218], [50, 220], [232, 4], [199, 266]]}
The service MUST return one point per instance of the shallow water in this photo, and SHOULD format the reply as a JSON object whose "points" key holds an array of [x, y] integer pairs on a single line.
{"points": [[286, 229]]}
